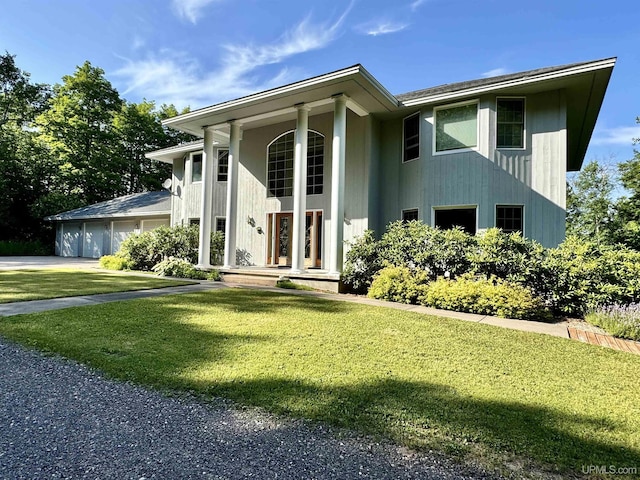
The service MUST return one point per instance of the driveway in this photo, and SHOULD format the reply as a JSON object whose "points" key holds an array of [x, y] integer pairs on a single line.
{"points": [[15, 263]]}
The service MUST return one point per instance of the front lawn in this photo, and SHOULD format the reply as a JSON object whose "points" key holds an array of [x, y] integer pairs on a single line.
{"points": [[508, 399], [23, 285]]}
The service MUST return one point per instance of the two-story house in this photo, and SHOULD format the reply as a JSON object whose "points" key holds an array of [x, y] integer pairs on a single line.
{"points": [[291, 174]]}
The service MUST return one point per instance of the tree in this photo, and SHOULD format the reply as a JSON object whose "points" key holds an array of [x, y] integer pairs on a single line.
{"points": [[628, 208], [24, 168], [78, 130], [589, 203]]}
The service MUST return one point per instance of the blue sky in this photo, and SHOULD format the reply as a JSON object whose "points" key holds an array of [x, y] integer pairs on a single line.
{"points": [[200, 52]]}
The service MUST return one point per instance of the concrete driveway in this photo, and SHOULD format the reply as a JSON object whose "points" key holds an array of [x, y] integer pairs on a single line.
{"points": [[15, 263]]}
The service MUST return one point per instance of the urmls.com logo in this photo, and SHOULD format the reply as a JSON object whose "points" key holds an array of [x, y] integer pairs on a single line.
{"points": [[609, 470]]}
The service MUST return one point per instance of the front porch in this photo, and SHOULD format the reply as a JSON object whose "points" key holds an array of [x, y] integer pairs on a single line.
{"points": [[268, 276]]}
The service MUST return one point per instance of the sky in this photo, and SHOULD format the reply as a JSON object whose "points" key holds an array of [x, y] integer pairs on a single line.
{"points": [[200, 52]]}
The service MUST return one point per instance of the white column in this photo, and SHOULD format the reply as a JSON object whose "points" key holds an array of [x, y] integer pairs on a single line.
{"points": [[204, 249], [299, 189], [232, 196], [337, 184]]}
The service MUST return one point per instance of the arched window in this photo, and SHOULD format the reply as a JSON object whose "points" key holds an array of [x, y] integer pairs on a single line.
{"points": [[280, 165]]}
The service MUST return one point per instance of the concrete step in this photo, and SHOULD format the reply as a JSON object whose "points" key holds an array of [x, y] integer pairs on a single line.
{"points": [[238, 278]]}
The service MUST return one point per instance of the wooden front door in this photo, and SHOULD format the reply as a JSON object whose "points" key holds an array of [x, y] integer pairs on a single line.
{"points": [[280, 235]]}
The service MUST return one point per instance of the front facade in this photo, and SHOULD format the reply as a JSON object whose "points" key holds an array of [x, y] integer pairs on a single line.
{"points": [[293, 173]]}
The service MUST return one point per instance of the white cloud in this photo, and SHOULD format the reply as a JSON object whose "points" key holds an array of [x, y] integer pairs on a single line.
{"points": [[137, 42], [416, 4], [382, 28], [176, 77], [495, 72], [191, 9], [615, 136]]}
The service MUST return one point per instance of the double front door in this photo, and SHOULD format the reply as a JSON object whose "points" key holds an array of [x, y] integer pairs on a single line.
{"points": [[280, 236]]}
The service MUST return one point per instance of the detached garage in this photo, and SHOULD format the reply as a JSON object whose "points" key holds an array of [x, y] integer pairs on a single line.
{"points": [[101, 228]]}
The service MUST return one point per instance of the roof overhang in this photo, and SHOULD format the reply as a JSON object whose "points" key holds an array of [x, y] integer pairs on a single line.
{"points": [[63, 217], [584, 86], [365, 95], [168, 155]]}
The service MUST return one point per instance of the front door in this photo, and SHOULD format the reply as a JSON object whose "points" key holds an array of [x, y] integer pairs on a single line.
{"points": [[279, 238]]}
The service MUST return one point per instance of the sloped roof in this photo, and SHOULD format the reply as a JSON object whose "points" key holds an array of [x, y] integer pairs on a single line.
{"points": [[481, 82], [137, 205]]}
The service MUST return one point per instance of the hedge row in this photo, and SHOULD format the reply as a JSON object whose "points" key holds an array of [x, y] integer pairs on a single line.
{"points": [[571, 279]]}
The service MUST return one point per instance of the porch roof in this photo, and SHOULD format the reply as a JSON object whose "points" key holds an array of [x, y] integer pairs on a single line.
{"points": [[366, 95]]}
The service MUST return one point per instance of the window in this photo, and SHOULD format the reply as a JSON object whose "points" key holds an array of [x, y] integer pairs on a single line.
{"points": [[409, 215], [510, 123], [456, 127], [465, 218], [196, 167], [411, 137], [280, 165], [221, 224], [194, 221], [223, 165], [509, 218]]}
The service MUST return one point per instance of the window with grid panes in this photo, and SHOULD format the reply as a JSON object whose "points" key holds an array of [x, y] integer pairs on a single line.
{"points": [[223, 165], [510, 123], [409, 215], [280, 165], [509, 218]]}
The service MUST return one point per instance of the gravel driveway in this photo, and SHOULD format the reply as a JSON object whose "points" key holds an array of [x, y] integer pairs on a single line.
{"points": [[62, 420]]}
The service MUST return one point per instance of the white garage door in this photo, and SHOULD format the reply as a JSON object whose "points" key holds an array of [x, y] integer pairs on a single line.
{"points": [[71, 233], [148, 225], [121, 230], [93, 240]]}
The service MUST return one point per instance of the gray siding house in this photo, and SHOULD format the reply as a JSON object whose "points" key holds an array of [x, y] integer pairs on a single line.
{"points": [[99, 229], [291, 174]]}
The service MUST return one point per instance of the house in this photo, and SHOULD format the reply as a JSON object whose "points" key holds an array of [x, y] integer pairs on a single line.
{"points": [[99, 229], [292, 173]]}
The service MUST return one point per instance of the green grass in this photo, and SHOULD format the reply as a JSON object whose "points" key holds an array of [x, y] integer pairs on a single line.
{"points": [[23, 285], [504, 398]]}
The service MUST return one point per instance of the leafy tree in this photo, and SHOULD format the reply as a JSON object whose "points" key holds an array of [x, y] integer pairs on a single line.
{"points": [[78, 129], [589, 203], [25, 171]]}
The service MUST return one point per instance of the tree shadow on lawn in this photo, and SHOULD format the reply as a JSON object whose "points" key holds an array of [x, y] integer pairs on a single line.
{"points": [[427, 415]]}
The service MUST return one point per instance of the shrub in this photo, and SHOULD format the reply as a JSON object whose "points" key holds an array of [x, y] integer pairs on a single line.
{"points": [[485, 296], [217, 248], [583, 276], [137, 251], [214, 275], [362, 263], [180, 268], [398, 284], [618, 320], [113, 262], [508, 256]]}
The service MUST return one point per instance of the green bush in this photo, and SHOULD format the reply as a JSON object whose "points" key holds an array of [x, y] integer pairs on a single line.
{"points": [[583, 276], [180, 268], [23, 247], [508, 256], [362, 263], [114, 262], [484, 296], [143, 251], [398, 284], [620, 321]]}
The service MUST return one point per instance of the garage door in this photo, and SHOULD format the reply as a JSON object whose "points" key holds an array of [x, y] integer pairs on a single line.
{"points": [[71, 233], [148, 225], [121, 230], [93, 240]]}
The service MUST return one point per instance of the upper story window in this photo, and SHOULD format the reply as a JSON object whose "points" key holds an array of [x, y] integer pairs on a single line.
{"points": [[280, 165], [196, 167], [223, 165], [456, 127], [411, 137], [509, 218], [510, 123]]}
